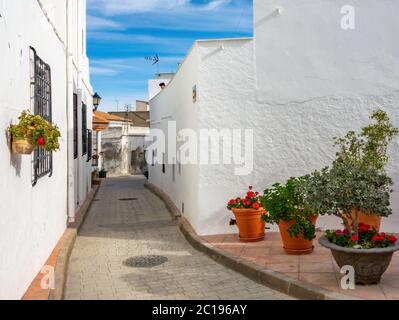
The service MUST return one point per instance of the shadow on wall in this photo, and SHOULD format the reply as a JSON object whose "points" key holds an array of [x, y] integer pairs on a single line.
{"points": [[112, 157], [15, 159]]}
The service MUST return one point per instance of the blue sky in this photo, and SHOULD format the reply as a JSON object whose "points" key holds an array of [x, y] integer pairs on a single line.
{"points": [[122, 32]]}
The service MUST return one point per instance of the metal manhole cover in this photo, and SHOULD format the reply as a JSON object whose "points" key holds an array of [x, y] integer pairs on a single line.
{"points": [[127, 199], [145, 261]]}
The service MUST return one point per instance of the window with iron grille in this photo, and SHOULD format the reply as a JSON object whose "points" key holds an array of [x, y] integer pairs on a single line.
{"points": [[75, 126], [89, 145], [84, 129], [42, 163]]}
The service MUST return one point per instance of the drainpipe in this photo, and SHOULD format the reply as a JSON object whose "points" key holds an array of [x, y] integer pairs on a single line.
{"points": [[69, 113]]}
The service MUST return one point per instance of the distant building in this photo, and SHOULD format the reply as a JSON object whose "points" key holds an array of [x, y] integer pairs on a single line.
{"points": [[122, 143], [154, 84]]}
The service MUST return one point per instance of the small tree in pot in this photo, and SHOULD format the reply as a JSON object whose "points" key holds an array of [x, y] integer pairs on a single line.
{"points": [[346, 190], [285, 207], [368, 150]]}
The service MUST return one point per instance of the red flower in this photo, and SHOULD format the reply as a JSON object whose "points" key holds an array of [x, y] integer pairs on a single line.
{"points": [[392, 239], [250, 194], [246, 203], [346, 232], [363, 228], [250, 187], [40, 141], [256, 206], [377, 237], [354, 238], [338, 233], [232, 201]]}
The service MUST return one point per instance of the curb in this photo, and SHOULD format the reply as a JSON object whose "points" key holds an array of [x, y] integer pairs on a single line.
{"points": [[62, 263], [173, 210], [272, 279]]}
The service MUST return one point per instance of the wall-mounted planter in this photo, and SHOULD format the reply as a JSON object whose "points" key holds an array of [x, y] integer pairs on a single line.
{"points": [[24, 147]]}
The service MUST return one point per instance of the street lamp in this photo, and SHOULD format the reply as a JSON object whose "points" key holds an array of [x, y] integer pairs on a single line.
{"points": [[96, 101]]}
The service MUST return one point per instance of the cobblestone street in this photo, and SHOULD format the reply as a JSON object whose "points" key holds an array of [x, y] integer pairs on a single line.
{"points": [[126, 220]]}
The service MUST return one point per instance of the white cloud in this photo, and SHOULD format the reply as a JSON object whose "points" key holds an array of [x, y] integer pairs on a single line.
{"points": [[113, 7], [96, 23]]}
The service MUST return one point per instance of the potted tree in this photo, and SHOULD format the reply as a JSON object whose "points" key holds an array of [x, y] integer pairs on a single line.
{"points": [[346, 190], [368, 149], [284, 204], [33, 131], [248, 213]]}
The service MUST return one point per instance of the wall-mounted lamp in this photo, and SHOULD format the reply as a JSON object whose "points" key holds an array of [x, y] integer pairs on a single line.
{"points": [[96, 101]]}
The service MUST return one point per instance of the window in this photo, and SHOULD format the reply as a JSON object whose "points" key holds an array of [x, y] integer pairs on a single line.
{"points": [[163, 163], [42, 163], [153, 158], [75, 126], [84, 129], [89, 145]]}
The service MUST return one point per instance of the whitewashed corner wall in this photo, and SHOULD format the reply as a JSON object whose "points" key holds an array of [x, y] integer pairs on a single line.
{"points": [[175, 103], [32, 219], [315, 80]]}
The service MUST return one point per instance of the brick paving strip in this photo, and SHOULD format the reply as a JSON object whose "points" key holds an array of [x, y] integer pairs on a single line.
{"points": [[129, 221], [59, 257], [314, 276]]}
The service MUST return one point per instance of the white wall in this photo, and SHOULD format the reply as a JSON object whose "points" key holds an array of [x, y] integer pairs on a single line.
{"points": [[315, 81], [33, 218], [176, 102], [226, 87]]}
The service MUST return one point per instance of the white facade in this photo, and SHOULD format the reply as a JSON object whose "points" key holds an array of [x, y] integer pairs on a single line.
{"points": [[222, 72], [302, 81], [35, 217], [315, 81]]}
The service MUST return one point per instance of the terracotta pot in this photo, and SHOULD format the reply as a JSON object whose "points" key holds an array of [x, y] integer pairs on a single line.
{"points": [[250, 225], [369, 264], [22, 146], [296, 245], [371, 220]]}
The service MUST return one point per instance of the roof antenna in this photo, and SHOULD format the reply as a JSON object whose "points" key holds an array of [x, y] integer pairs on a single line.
{"points": [[155, 61]]}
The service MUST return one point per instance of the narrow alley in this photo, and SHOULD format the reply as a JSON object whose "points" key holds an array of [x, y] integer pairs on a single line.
{"points": [[128, 221]]}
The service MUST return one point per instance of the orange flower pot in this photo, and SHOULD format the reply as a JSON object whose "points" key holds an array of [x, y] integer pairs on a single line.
{"points": [[250, 225], [296, 245], [371, 220]]}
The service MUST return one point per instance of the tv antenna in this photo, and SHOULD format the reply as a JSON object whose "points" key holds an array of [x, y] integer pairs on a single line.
{"points": [[155, 60]]}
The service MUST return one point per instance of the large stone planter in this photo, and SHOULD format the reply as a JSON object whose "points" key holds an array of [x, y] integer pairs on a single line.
{"points": [[369, 264]]}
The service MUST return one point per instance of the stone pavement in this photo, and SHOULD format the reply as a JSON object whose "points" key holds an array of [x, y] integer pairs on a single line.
{"points": [[127, 220]]}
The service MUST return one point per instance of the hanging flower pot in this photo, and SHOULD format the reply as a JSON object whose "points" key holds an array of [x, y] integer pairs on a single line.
{"points": [[33, 131], [248, 213], [22, 146]]}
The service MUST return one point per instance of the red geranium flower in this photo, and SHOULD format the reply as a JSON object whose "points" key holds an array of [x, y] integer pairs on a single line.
{"points": [[392, 239], [40, 141], [345, 232], [338, 232], [256, 206], [354, 238], [250, 187], [250, 194]]}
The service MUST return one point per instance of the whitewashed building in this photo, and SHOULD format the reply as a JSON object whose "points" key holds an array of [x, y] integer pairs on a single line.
{"points": [[40, 196], [310, 73]]}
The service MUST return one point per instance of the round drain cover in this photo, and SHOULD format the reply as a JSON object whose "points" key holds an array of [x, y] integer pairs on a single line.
{"points": [[145, 261]]}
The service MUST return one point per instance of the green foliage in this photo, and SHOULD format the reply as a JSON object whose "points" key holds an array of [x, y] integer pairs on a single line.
{"points": [[286, 202], [369, 148], [344, 187], [37, 130]]}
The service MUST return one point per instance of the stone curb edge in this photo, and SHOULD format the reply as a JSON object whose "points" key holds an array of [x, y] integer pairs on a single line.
{"points": [[275, 280], [61, 267]]}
